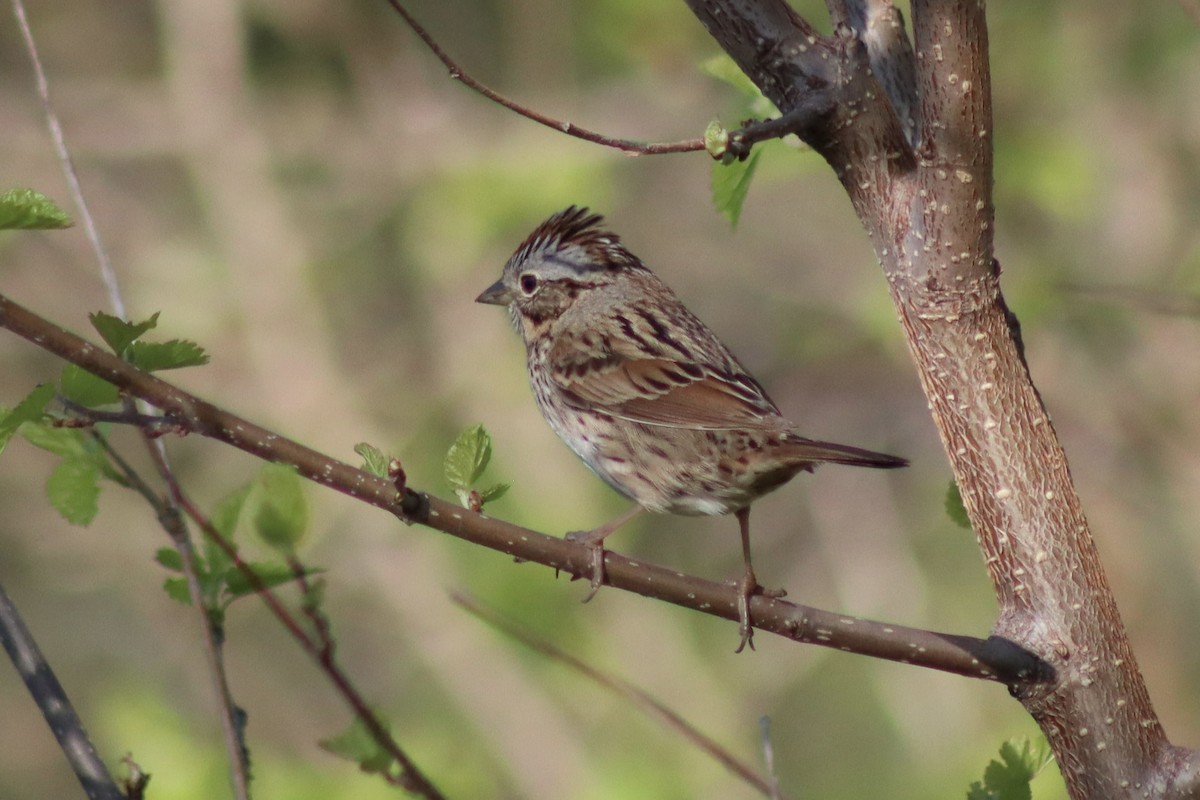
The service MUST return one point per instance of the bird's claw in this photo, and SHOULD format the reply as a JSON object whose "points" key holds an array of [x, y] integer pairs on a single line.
{"points": [[597, 554]]}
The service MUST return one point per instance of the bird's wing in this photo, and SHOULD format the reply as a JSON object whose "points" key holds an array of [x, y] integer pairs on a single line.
{"points": [[607, 375]]}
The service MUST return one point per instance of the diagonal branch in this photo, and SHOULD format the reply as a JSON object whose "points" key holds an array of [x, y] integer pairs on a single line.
{"points": [[52, 699], [991, 659]]}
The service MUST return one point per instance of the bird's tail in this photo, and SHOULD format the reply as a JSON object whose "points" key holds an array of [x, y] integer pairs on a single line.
{"points": [[811, 450]]}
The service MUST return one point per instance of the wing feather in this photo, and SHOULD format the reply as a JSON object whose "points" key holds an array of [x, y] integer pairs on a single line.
{"points": [[599, 373]]}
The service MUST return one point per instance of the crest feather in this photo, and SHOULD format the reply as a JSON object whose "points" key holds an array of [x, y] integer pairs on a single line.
{"points": [[577, 226]]}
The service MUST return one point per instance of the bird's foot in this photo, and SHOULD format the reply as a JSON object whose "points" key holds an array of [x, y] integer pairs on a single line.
{"points": [[594, 544], [748, 587]]}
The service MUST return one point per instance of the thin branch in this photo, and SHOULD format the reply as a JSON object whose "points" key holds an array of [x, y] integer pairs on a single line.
{"points": [[622, 688], [457, 73], [320, 649], [107, 273], [991, 659], [50, 697], [168, 516]]}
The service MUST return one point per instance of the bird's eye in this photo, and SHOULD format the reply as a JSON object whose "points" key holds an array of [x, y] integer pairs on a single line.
{"points": [[529, 283]]}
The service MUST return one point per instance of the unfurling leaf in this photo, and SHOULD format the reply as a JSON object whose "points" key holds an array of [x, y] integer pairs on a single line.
{"points": [[374, 460], [468, 457], [28, 209], [494, 492]]}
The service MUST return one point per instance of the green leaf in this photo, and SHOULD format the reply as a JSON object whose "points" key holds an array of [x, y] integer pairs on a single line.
{"points": [[731, 183], [177, 589], [169, 557], [281, 518], [118, 333], [27, 209], [271, 573], [229, 509], [724, 69], [955, 510], [74, 490], [65, 442], [468, 457], [494, 492], [1008, 779], [374, 460], [358, 745], [30, 409], [152, 356], [86, 389]]}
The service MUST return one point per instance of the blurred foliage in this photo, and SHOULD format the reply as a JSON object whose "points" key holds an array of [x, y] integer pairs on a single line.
{"points": [[301, 187]]}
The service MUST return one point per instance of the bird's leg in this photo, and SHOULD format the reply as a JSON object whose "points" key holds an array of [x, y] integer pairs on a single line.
{"points": [[594, 539], [748, 585]]}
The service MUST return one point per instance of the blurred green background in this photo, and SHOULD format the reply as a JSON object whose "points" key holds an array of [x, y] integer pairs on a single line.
{"points": [[300, 187]]}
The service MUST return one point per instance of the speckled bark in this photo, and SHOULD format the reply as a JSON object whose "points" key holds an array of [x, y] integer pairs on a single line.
{"points": [[928, 211]]}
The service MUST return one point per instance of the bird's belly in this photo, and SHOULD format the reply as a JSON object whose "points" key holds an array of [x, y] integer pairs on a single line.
{"points": [[671, 470]]}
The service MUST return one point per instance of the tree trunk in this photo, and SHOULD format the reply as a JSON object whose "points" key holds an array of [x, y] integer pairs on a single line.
{"points": [[908, 131]]}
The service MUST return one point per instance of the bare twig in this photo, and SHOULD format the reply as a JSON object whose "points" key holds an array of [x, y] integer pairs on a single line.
{"points": [[50, 697], [107, 273], [991, 659], [639, 698], [457, 73]]}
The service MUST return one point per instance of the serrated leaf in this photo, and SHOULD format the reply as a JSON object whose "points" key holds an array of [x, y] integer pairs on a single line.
{"points": [[976, 792], [731, 183], [118, 333], [177, 589], [65, 442], [281, 518], [271, 573], [358, 745], [84, 388], [955, 510], [176, 353], [494, 492], [374, 460], [28, 209], [468, 457], [169, 557], [74, 490], [1009, 778], [30, 409]]}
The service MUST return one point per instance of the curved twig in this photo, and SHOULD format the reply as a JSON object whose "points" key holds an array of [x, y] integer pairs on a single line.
{"points": [[457, 73]]}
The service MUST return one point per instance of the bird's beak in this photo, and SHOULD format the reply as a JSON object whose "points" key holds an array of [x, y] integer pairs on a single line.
{"points": [[495, 295]]}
